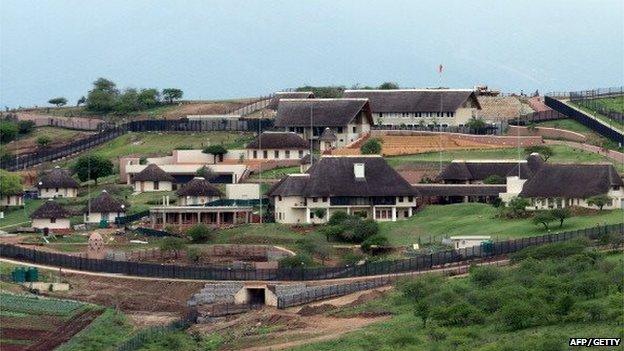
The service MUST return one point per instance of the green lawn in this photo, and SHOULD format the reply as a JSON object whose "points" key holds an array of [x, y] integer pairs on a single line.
{"points": [[568, 124], [154, 144], [19, 216], [562, 153], [106, 332], [276, 173], [612, 103], [479, 219]]}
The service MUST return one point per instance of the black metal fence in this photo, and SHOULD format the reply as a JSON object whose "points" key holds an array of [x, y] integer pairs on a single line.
{"points": [[592, 99], [323, 292], [414, 264], [585, 119], [14, 163], [535, 117], [152, 232]]}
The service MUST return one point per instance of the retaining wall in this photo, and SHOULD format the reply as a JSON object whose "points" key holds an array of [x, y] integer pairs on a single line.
{"points": [[547, 133]]}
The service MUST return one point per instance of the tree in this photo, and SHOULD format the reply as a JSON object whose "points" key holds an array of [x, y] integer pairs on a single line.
{"points": [[375, 241], [516, 208], [371, 147], [103, 96], [81, 101], [544, 218], [199, 233], [25, 127], [8, 131], [43, 141], [388, 86], [476, 124], [324, 92], [561, 214], [337, 218], [58, 101], [205, 173], [215, 150], [314, 246], [127, 102], [297, 261], [494, 179], [171, 94], [92, 167], [148, 98], [172, 243], [544, 151], [356, 230], [599, 201], [10, 183]]}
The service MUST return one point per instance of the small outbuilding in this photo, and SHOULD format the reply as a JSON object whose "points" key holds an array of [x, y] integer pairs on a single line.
{"points": [[198, 192], [57, 182], [462, 242], [153, 178], [50, 215], [104, 207]]}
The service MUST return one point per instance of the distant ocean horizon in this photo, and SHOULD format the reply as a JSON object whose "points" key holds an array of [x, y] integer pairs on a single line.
{"points": [[235, 49]]}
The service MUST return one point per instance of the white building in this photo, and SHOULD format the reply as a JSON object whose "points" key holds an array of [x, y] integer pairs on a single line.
{"points": [[348, 119], [420, 107], [104, 207], [361, 185], [57, 182], [277, 146], [50, 215], [153, 178]]}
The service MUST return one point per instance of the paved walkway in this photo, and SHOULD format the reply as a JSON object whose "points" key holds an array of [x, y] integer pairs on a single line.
{"points": [[616, 156]]}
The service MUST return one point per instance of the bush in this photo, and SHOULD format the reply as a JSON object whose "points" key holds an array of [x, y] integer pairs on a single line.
{"points": [[200, 233], [555, 250], [8, 131], [314, 246], [43, 141], [338, 218], [518, 315], [457, 314], [494, 179], [355, 230], [371, 147], [299, 260], [378, 241], [484, 275], [193, 254], [172, 244], [25, 127]]}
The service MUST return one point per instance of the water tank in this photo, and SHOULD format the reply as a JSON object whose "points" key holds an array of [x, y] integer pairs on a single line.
{"points": [[19, 275], [32, 274]]}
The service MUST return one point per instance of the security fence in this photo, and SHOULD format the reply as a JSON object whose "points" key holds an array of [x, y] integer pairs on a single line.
{"points": [[592, 99], [496, 129], [414, 264], [585, 119], [14, 163], [323, 292]]}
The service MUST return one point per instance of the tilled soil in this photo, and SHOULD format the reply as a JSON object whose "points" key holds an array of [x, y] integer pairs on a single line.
{"points": [[66, 331]]}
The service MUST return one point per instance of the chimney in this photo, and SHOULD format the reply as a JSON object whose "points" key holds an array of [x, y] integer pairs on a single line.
{"points": [[358, 171]]}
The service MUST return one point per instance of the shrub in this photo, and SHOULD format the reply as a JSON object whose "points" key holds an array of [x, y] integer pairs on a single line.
{"points": [[350, 258], [299, 260], [172, 244], [199, 233], [484, 275], [25, 127], [545, 151], [457, 314], [356, 230], [43, 141], [371, 147], [319, 212], [193, 254], [377, 240], [314, 246], [599, 201], [337, 218], [555, 250], [494, 179], [516, 208], [517, 315], [8, 131]]}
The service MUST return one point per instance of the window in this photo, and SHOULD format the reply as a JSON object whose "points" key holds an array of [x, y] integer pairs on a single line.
{"points": [[405, 213], [410, 198], [279, 198], [400, 198], [265, 154], [276, 154], [156, 185], [300, 153], [57, 189], [339, 130], [380, 114], [52, 220], [311, 215], [287, 153], [354, 130], [314, 199], [255, 154], [324, 199]]}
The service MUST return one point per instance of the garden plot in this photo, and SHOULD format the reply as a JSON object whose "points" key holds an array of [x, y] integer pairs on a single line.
{"points": [[32, 323]]}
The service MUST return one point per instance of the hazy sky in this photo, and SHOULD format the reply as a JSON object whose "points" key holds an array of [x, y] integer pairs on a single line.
{"points": [[223, 49]]}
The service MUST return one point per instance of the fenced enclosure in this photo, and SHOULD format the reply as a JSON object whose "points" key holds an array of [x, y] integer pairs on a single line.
{"points": [[14, 163], [592, 99], [585, 119], [145, 335], [414, 264]]}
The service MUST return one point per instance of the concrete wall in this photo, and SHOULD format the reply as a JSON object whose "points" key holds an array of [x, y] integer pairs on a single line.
{"points": [[13, 200], [150, 186], [60, 223], [48, 193], [285, 211], [242, 191], [547, 133]]}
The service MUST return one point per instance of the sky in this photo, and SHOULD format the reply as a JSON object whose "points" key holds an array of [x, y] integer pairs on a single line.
{"points": [[230, 48]]}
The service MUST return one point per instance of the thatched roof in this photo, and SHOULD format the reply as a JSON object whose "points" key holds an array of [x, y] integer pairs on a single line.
{"points": [[459, 189], [274, 103], [577, 181], [153, 173], [414, 100], [479, 170], [308, 159], [334, 176], [198, 186], [57, 178], [328, 135], [321, 112], [50, 209], [278, 140], [105, 203]]}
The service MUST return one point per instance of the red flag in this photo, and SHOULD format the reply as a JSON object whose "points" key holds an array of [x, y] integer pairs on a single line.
{"points": [[440, 69]]}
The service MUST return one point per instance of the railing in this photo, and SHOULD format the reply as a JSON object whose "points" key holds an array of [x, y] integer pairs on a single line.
{"points": [[414, 264], [328, 291], [13, 163]]}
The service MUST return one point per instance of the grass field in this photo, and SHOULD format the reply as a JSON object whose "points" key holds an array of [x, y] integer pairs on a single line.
{"points": [[154, 144], [105, 333], [276, 173], [495, 310], [616, 104], [479, 219], [562, 153]]}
